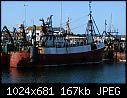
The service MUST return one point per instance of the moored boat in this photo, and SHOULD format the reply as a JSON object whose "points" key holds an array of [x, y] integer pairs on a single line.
{"points": [[59, 48]]}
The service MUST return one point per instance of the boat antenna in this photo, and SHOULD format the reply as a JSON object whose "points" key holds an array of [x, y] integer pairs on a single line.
{"points": [[90, 9], [105, 25], [25, 12], [111, 24], [61, 17]]}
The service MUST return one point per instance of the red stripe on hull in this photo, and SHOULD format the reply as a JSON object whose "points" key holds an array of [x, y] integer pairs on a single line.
{"points": [[22, 59], [19, 58]]}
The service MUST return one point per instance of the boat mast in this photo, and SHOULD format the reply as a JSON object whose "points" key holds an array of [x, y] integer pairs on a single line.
{"points": [[68, 30], [90, 27], [90, 21], [90, 9], [25, 14]]}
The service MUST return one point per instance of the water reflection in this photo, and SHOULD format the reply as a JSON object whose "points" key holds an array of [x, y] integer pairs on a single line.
{"points": [[104, 73]]}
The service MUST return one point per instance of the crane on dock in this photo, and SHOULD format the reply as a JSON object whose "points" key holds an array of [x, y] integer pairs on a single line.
{"points": [[7, 35]]}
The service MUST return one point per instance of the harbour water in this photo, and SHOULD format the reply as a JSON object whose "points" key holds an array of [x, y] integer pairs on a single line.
{"points": [[101, 73]]}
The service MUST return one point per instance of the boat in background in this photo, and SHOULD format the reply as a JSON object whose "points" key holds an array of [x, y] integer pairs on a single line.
{"points": [[6, 46]]}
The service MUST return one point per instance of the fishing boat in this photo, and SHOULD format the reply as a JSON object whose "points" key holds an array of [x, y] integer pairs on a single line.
{"points": [[60, 48]]}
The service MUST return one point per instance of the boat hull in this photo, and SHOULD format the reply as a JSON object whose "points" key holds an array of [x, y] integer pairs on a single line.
{"points": [[5, 60], [90, 56], [22, 59], [19, 58]]}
